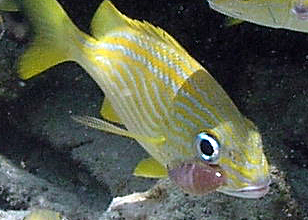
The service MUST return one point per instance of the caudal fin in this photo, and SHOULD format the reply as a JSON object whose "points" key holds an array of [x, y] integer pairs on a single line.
{"points": [[54, 35]]}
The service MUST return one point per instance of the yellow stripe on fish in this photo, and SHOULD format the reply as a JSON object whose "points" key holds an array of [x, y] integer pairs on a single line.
{"points": [[165, 99]]}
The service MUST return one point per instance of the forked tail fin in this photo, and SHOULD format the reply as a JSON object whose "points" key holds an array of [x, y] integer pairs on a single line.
{"points": [[54, 37]]}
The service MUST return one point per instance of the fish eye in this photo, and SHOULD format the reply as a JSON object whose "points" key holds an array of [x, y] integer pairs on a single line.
{"points": [[207, 146]]}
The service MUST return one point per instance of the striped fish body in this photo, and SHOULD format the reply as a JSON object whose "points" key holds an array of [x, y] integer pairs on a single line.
{"points": [[141, 75], [165, 99]]}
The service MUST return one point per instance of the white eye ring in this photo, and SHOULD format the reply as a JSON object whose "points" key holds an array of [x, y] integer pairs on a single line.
{"points": [[208, 147]]}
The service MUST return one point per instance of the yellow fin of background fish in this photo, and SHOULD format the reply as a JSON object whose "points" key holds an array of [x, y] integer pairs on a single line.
{"points": [[233, 21], [108, 127], [43, 214], [52, 34], [8, 5], [150, 168], [108, 112]]}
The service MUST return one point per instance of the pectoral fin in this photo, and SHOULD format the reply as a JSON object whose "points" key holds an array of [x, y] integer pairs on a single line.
{"points": [[150, 168], [108, 127], [108, 112]]}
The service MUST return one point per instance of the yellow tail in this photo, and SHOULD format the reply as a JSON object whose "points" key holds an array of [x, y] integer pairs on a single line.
{"points": [[54, 37]]}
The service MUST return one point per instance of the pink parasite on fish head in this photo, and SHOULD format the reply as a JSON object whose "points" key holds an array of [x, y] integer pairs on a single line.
{"points": [[201, 175], [197, 178]]}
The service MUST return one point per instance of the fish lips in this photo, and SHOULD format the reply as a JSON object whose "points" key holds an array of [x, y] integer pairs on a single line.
{"points": [[197, 178], [253, 191]]}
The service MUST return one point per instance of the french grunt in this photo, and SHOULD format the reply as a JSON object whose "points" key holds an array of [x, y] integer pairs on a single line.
{"points": [[157, 94], [286, 14]]}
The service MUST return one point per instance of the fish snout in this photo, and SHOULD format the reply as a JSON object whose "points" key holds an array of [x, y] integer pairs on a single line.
{"points": [[254, 190]]}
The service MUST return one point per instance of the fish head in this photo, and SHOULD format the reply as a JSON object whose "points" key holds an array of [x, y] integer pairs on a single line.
{"points": [[242, 160], [226, 163], [220, 149]]}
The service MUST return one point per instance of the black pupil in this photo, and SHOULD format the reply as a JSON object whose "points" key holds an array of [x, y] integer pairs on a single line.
{"points": [[206, 147]]}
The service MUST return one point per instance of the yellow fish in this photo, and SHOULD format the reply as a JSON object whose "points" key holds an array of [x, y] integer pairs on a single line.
{"points": [[286, 14], [163, 97], [43, 214]]}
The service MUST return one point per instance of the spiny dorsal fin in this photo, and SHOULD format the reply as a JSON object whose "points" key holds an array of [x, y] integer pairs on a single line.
{"points": [[107, 18], [158, 33]]}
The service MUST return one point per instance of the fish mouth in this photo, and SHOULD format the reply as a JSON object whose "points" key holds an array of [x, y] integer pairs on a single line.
{"points": [[249, 192], [301, 11]]}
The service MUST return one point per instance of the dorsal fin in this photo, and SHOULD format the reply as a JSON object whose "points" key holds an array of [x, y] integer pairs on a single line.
{"points": [[157, 33], [107, 18]]}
